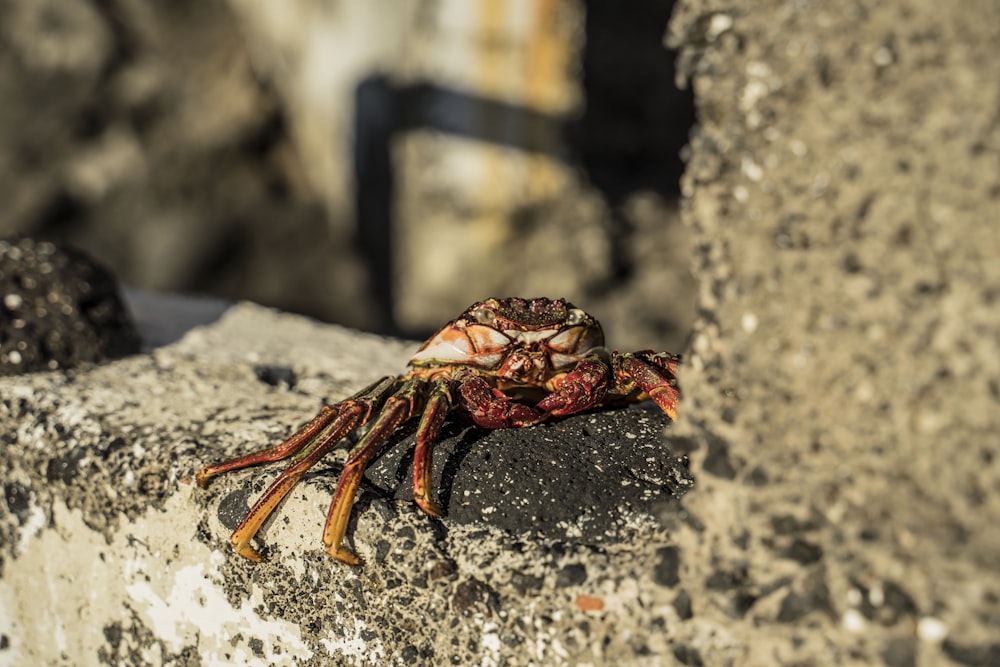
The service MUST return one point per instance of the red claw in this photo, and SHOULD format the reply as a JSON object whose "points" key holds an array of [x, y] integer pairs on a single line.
{"points": [[491, 408], [654, 374], [583, 388]]}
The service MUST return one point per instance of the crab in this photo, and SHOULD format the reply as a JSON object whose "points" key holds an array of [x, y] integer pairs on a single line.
{"points": [[505, 363]]}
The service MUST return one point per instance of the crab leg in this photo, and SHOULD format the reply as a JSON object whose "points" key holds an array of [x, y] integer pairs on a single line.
{"points": [[297, 441], [308, 450], [398, 408], [438, 406], [654, 373], [265, 505], [277, 452]]}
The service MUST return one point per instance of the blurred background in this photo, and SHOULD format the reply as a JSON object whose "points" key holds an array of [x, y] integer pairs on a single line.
{"points": [[367, 162]]}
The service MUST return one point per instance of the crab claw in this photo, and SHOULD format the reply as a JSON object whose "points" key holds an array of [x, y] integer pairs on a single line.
{"points": [[582, 388], [491, 408], [654, 373]]}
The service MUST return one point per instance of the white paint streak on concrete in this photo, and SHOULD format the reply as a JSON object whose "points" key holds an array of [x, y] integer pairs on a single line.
{"points": [[354, 644], [195, 606], [12, 656], [32, 526], [153, 572]]}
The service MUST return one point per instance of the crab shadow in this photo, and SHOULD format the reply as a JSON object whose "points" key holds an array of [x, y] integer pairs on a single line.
{"points": [[390, 474], [583, 474], [456, 442]]}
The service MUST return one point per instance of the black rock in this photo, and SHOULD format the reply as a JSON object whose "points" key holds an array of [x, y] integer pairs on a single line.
{"points": [[601, 465], [58, 309]]}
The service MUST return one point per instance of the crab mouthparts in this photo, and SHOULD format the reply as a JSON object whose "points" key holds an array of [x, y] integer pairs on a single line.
{"points": [[529, 337]]}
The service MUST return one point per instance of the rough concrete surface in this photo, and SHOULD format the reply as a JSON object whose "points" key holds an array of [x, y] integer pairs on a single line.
{"points": [[841, 395], [556, 541], [844, 195]]}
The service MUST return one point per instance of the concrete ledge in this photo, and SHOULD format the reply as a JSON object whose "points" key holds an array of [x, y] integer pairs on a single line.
{"points": [[557, 547]]}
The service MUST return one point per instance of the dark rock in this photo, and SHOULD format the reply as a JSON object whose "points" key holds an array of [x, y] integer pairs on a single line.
{"points": [[900, 652], [973, 655], [571, 575], [725, 580], [546, 478], [793, 607], [18, 500], [786, 524], [276, 375], [65, 468], [234, 507], [58, 309], [667, 570], [525, 582], [682, 605], [803, 552], [895, 604], [469, 593], [717, 460], [688, 655]]}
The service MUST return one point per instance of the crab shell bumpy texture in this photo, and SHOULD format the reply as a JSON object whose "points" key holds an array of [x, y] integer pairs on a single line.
{"points": [[525, 341]]}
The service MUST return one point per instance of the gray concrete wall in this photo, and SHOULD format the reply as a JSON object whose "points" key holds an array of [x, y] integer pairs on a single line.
{"points": [[844, 193]]}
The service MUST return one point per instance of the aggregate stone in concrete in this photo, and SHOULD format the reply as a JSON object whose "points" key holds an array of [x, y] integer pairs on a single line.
{"points": [[556, 542]]}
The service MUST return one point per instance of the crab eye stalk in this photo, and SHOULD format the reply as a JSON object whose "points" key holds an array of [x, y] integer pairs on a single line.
{"points": [[484, 315], [575, 316]]}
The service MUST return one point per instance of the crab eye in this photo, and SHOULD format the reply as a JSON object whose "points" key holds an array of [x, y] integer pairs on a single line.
{"points": [[484, 315], [575, 316]]}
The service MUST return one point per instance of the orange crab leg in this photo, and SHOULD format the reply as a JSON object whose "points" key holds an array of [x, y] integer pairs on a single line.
{"points": [[265, 505], [278, 452], [438, 406], [298, 440], [398, 408], [308, 445]]}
